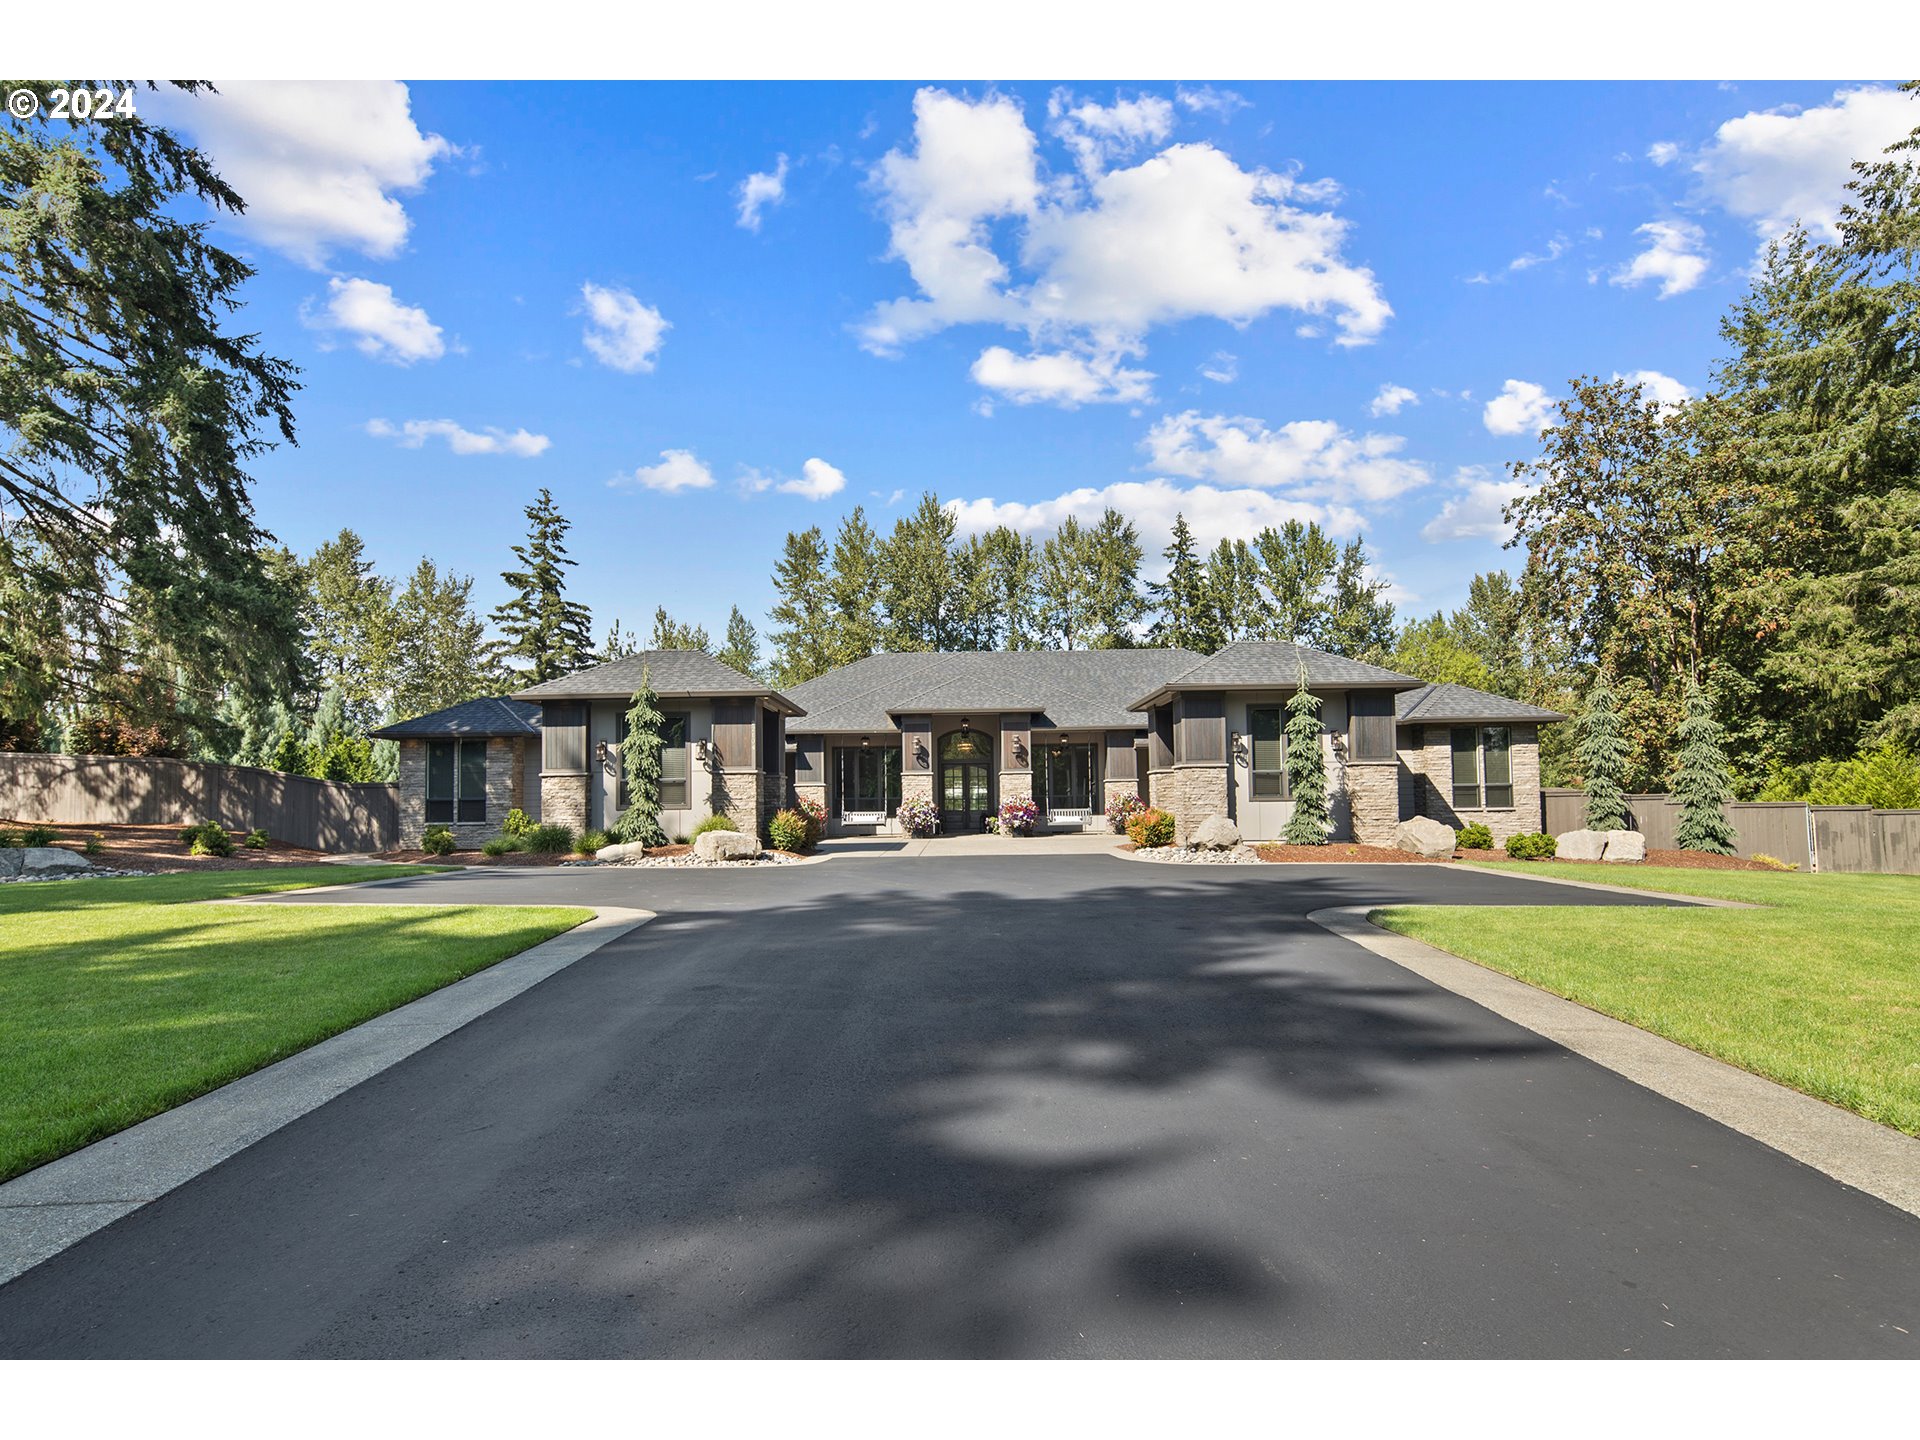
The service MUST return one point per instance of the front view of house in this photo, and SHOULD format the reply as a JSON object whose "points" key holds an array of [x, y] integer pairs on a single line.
{"points": [[1195, 735]]}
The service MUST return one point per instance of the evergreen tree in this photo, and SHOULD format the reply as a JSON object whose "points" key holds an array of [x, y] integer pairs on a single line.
{"points": [[742, 649], [1114, 602], [803, 646], [355, 638], [1603, 757], [290, 756], [546, 633], [639, 822], [916, 579], [1306, 769], [671, 634], [440, 654], [619, 644], [853, 590], [1183, 617], [328, 724], [1701, 780], [1358, 621]]}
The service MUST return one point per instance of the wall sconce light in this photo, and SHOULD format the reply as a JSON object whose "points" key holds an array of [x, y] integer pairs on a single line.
{"points": [[965, 725], [600, 752], [700, 751], [866, 742]]}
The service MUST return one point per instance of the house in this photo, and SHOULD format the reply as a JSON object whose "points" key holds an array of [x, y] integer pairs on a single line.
{"points": [[1196, 735]]}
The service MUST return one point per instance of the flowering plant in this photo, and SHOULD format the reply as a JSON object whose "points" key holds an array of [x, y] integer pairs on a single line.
{"points": [[1121, 809], [815, 814], [1019, 817], [919, 816]]}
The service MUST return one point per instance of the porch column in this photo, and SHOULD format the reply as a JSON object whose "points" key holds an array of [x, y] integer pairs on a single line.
{"points": [[1016, 758]]}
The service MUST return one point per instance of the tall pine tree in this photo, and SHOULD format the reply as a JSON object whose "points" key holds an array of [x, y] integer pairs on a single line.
{"points": [[742, 650], [1183, 617], [1603, 758], [1700, 779], [546, 634], [803, 643]]}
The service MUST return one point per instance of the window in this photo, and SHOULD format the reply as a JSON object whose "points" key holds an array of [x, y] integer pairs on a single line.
{"points": [[1482, 766], [1370, 724], [456, 782], [869, 780], [1066, 777], [673, 762], [1269, 752]]}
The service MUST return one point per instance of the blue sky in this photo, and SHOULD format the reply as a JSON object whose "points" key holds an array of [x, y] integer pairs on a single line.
{"points": [[1248, 301]]}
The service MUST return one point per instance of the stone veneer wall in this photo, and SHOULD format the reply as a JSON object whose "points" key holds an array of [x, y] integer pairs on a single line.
{"points": [[1432, 782], [504, 791], [1016, 785], [1373, 799], [1191, 794], [563, 798], [737, 795]]}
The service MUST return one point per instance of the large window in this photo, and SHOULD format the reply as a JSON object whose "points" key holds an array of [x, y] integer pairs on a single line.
{"points": [[1370, 724], [1268, 732], [456, 782], [868, 781], [673, 762], [1066, 777], [1482, 767]]}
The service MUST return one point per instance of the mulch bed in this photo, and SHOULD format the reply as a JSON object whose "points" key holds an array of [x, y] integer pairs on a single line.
{"points": [[1341, 854], [471, 857], [1677, 859], [157, 848]]}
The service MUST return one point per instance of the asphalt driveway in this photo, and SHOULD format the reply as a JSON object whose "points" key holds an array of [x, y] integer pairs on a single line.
{"points": [[1044, 1107]]}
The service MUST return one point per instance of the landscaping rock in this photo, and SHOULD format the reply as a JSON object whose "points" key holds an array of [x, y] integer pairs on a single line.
{"points": [[1215, 833], [726, 845], [1423, 835], [10, 862], [1624, 847], [49, 859], [1581, 845], [620, 852]]}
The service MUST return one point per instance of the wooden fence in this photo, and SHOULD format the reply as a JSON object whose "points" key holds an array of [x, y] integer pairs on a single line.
{"points": [[1843, 838], [129, 790]]}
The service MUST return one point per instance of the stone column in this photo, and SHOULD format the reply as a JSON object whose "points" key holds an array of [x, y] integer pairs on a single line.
{"points": [[1373, 789], [563, 798], [412, 781], [1191, 794]]}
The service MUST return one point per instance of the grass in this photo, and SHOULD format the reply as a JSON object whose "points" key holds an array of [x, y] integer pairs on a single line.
{"points": [[120, 1000], [1820, 990]]}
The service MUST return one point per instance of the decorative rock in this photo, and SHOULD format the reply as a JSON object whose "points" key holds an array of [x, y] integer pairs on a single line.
{"points": [[43, 859], [10, 862], [726, 845], [1215, 833], [620, 852], [1424, 836], [1581, 845], [1625, 847]]}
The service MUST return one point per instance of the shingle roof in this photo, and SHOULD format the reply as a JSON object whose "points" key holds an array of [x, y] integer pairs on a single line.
{"points": [[670, 672], [491, 715], [1447, 701], [1070, 689], [1276, 664]]}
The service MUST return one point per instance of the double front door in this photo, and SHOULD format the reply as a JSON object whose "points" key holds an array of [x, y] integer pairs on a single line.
{"points": [[966, 783]]}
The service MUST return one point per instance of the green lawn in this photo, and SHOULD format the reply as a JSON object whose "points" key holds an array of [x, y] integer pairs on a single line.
{"points": [[118, 1000], [1820, 990]]}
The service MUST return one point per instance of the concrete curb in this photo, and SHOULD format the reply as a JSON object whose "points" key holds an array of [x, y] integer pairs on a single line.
{"points": [[1873, 1158], [1710, 902], [64, 1201]]}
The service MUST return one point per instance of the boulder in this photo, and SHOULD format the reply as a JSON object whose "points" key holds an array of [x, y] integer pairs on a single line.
{"points": [[726, 845], [1423, 835], [1580, 845], [1216, 832], [52, 860], [1625, 847], [620, 852], [10, 861]]}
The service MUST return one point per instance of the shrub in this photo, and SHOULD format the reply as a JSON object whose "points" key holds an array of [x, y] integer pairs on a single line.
{"points": [[714, 822], [591, 842], [206, 838], [1531, 847], [919, 816], [10, 840], [815, 814], [1886, 777], [549, 839], [438, 840], [1019, 817], [1151, 829], [499, 845], [96, 843], [516, 824], [1773, 862], [1474, 837], [789, 830], [37, 835], [256, 840], [1122, 809]]}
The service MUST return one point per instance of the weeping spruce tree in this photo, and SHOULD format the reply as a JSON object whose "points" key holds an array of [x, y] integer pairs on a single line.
{"points": [[1306, 769], [639, 823], [1603, 758], [1700, 779]]}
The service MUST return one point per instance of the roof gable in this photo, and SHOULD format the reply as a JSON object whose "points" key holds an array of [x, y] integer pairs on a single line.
{"points": [[1447, 701], [487, 716]]}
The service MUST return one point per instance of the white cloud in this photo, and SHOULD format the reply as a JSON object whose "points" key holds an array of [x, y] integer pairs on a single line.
{"points": [[1659, 388], [1556, 247], [761, 190], [1473, 511], [317, 162], [1206, 100], [1099, 134], [1214, 513], [817, 481], [1315, 459], [678, 470], [1663, 152], [622, 332], [1060, 378], [1185, 233], [490, 440], [1222, 369], [1391, 399], [1773, 167], [384, 328], [1521, 408], [1675, 256]]}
